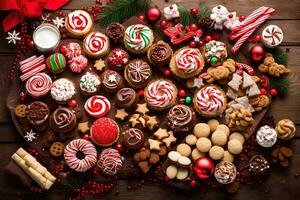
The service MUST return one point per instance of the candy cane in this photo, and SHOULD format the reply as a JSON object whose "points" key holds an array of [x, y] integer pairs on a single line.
{"points": [[244, 67]]}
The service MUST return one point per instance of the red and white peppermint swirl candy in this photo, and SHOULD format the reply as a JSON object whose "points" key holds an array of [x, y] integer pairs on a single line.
{"points": [[86, 148], [96, 42], [79, 21], [188, 60], [72, 49], [272, 36], [160, 93], [210, 100], [97, 106], [38, 85], [78, 64]]}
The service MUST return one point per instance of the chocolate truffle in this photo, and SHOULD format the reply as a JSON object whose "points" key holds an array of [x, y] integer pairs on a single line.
{"points": [[160, 53], [180, 118], [63, 120], [133, 139], [138, 73], [111, 81], [258, 165], [115, 32], [225, 172], [126, 98], [266, 136], [37, 114]]}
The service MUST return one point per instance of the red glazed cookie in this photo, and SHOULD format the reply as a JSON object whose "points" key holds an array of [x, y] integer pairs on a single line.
{"points": [[105, 131]]}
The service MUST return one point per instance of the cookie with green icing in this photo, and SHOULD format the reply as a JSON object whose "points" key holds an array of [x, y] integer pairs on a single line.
{"points": [[56, 63]]}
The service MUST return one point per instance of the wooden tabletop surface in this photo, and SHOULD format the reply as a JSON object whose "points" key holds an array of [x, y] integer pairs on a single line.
{"points": [[282, 183]]}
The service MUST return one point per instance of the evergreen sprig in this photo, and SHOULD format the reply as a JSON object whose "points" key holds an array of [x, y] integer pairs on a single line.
{"points": [[186, 18], [118, 11], [204, 11], [280, 56], [282, 84]]}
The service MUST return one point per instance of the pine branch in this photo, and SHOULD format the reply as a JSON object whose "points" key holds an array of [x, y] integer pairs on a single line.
{"points": [[119, 10], [204, 11], [186, 18], [279, 55], [282, 84]]}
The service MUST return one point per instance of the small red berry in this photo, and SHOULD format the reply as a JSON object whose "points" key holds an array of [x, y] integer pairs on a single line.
{"points": [[207, 38], [242, 18], [193, 27], [192, 44], [263, 91], [182, 93]]}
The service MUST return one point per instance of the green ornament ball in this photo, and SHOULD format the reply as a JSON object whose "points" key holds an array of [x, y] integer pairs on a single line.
{"points": [[188, 100]]}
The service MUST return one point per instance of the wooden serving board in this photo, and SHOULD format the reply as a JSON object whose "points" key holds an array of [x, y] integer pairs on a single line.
{"points": [[17, 87]]}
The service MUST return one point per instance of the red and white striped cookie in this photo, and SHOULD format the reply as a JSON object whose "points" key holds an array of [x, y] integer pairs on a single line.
{"points": [[38, 85], [97, 106], [78, 23]]}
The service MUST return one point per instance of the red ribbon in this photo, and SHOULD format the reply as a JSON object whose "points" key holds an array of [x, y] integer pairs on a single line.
{"points": [[26, 8]]}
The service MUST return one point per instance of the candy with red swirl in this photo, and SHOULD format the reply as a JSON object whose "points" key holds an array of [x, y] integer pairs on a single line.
{"points": [[180, 118], [71, 50], [97, 106], [110, 162], [272, 36], [78, 23], [38, 85], [78, 64], [96, 44]]}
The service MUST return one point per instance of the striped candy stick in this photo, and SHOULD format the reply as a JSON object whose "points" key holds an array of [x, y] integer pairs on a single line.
{"points": [[251, 25], [244, 37], [244, 67]]}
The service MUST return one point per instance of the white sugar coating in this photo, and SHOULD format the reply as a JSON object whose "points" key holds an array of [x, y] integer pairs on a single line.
{"points": [[174, 155], [46, 37], [182, 174], [183, 160], [266, 136], [171, 172], [62, 89]]}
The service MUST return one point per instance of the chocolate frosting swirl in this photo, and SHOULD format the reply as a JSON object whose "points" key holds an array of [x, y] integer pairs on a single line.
{"points": [[126, 98], [62, 120], [115, 31], [111, 81], [37, 112], [160, 53], [134, 136], [180, 116], [138, 71]]}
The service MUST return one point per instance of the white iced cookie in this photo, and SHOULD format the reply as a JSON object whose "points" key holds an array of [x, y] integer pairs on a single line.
{"points": [[219, 15], [232, 21]]}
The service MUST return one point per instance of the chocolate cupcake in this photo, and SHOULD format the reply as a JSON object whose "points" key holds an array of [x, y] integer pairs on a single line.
{"points": [[133, 139], [127, 98], [111, 81], [37, 114], [258, 165], [89, 84], [180, 118], [137, 73], [63, 120], [115, 32], [160, 53]]}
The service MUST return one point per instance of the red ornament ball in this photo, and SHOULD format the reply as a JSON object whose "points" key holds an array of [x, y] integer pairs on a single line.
{"points": [[72, 103], [193, 183], [207, 38], [263, 91], [242, 18], [203, 167], [257, 53], [182, 93], [257, 38], [163, 23], [193, 27], [85, 136], [167, 72], [141, 93], [141, 18], [195, 11], [119, 148], [153, 14], [193, 44], [274, 92]]}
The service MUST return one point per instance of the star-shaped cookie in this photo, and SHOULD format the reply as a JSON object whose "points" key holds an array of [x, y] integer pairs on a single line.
{"points": [[121, 114], [99, 64], [169, 140], [142, 108], [83, 127], [152, 122], [134, 120], [154, 144], [161, 133]]}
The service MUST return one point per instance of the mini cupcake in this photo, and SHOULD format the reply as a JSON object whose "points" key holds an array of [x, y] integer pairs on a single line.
{"points": [[38, 85], [215, 52], [127, 98], [181, 118], [133, 139], [104, 131], [62, 90], [56, 63], [160, 53], [111, 81], [89, 84], [96, 45], [118, 59], [187, 62], [160, 94], [37, 114], [137, 73], [210, 101], [78, 23], [138, 38], [115, 32], [63, 120]]}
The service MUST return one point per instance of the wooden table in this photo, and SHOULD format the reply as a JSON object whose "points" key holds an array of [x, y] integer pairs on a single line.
{"points": [[282, 183]]}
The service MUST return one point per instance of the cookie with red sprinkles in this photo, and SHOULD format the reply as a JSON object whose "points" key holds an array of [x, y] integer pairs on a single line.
{"points": [[118, 59], [105, 131]]}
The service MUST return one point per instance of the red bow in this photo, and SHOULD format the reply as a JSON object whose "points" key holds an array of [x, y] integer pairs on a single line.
{"points": [[26, 8]]}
